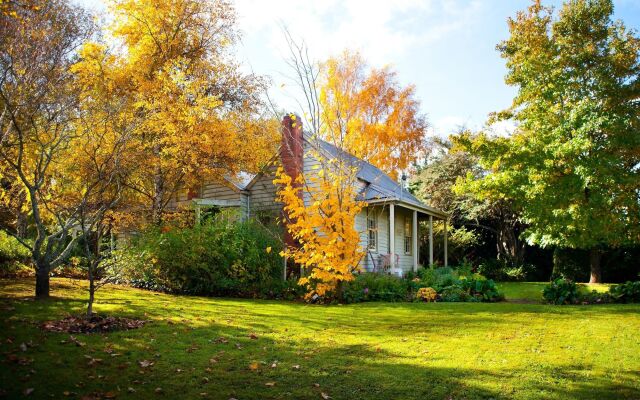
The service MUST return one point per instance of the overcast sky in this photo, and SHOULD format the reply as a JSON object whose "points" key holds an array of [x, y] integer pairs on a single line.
{"points": [[446, 48]]}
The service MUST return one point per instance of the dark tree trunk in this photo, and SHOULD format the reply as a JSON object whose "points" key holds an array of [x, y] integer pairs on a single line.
{"points": [[42, 281], [509, 246], [595, 258]]}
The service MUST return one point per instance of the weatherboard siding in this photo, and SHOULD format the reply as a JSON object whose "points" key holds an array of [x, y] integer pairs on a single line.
{"points": [[263, 192]]}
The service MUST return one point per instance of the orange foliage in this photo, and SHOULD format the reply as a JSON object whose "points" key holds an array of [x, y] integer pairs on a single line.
{"points": [[366, 112], [320, 212]]}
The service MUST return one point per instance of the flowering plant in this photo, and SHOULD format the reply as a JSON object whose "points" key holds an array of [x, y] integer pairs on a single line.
{"points": [[426, 294]]}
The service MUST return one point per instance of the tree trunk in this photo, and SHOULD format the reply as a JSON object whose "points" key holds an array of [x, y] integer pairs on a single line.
{"points": [[92, 292], [509, 246], [156, 207], [595, 258], [42, 281]]}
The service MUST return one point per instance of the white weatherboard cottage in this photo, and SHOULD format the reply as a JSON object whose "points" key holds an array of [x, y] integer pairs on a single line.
{"points": [[388, 224]]}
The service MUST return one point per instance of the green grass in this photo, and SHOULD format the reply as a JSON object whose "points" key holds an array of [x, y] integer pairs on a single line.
{"points": [[532, 291], [364, 351]]}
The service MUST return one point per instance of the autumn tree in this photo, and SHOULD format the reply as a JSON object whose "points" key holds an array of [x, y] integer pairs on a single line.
{"points": [[320, 210], [192, 110], [99, 163], [572, 164], [40, 108], [319, 206], [369, 114]]}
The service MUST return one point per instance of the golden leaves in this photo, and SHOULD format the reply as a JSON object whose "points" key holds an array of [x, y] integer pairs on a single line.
{"points": [[369, 114], [323, 225]]}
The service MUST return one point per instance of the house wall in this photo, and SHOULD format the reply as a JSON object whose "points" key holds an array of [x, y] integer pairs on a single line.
{"points": [[382, 215], [406, 259], [212, 191], [263, 193]]}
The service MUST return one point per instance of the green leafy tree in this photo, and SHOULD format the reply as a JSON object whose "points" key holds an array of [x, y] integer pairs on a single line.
{"points": [[573, 163], [435, 183]]}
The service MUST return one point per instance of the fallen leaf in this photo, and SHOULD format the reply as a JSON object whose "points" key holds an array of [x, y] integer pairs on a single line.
{"points": [[131, 390], [109, 395], [325, 396], [296, 366], [253, 336], [270, 384], [145, 363], [23, 347], [28, 391], [254, 366], [158, 390]]}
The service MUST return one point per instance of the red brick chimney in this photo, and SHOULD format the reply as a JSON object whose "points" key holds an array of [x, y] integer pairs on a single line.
{"points": [[291, 149], [291, 156]]}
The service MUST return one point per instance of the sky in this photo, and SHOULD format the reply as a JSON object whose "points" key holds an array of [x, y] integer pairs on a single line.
{"points": [[446, 48]]}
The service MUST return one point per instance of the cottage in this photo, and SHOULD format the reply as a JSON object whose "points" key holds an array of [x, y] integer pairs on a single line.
{"points": [[388, 224]]}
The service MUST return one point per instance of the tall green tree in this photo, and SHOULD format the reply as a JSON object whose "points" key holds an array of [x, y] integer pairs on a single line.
{"points": [[573, 163], [435, 183]]}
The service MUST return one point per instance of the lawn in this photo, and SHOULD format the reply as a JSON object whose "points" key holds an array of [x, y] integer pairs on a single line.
{"points": [[248, 349]]}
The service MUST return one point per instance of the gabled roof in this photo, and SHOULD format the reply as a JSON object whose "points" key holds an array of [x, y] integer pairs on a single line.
{"points": [[241, 180], [379, 187]]}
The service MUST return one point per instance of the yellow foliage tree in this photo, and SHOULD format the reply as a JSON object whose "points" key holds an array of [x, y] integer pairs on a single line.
{"points": [[320, 210], [368, 113], [189, 109]]}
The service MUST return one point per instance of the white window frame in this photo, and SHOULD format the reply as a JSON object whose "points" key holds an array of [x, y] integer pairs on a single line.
{"points": [[372, 231], [408, 245]]}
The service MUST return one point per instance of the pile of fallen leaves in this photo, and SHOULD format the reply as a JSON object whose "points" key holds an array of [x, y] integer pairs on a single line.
{"points": [[94, 324]]}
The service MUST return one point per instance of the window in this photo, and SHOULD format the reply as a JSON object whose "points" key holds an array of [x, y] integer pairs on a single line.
{"points": [[407, 235], [372, 232]]}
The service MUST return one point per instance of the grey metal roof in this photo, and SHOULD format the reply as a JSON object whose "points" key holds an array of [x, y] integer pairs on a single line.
{"points": [[379, 186]]}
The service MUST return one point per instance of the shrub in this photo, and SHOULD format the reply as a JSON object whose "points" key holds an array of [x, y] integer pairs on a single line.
{"points": [[481, 289], [594, 297], [216, 258], [561, 291], [11, 249], [457, 284], [16, 269], [504, 271], [74, 268], [13, 257], [455, 294], [628, 292], [426, 294], [376, 287]]}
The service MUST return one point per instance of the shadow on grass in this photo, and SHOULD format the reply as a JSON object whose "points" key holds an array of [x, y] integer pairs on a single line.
{"points": [[202, 352]]}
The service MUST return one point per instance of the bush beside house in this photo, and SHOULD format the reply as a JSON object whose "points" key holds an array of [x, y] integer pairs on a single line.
{"points": [[449, 284], [219, 258]]}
